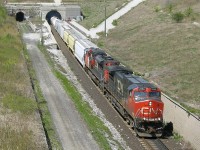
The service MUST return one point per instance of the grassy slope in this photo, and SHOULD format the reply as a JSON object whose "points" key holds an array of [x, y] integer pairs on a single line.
{"points": [[94, 12], [151, 42], [18, 122]]}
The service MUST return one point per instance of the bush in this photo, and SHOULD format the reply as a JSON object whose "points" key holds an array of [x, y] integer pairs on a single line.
{"points": [[157, 8], [189, 12], [114, 23], [170, 8], [178, 16]]}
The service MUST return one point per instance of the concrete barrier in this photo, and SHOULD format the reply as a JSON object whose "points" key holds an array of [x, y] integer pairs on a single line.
{"points": [[185, 123]]}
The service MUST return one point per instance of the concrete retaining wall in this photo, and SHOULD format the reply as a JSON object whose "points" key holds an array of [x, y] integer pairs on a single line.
{"points": [[184, 123]]}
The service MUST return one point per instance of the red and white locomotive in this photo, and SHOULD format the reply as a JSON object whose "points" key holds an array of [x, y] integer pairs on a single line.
{"points": [[137, 100]]}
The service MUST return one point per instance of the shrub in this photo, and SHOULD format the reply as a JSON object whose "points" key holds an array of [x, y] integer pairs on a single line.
{"points": [[189, 12], [157, 8], [114, 23], [170, 8], [178, 16]]}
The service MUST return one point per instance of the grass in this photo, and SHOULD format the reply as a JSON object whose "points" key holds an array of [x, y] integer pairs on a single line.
{"points": [[18, 103], [155, 44], [19, 125], [94, 12], [29, 1]]}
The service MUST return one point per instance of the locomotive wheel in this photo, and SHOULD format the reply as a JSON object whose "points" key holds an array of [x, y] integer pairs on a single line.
{"points": [[128, 121], [86, 69]]}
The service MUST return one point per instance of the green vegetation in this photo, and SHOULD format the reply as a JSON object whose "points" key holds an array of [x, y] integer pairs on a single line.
{"points": [[189, 12], [170, 8], [19, 103], [177, 136], [2, 15], [178, 16], [157, 8], [114, 23], [18, 107]]}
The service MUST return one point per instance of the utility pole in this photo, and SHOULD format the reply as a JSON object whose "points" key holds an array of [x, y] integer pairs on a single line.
{"points": [[105, 18]]}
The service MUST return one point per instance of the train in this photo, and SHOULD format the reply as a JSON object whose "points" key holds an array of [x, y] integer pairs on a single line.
{"points": [[137, 100]]}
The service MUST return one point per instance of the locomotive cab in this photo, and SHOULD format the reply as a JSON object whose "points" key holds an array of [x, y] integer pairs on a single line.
{"points": [[147, 109]]}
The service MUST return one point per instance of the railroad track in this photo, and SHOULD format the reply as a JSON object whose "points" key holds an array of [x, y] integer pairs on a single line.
{"points": [[152, 144]]}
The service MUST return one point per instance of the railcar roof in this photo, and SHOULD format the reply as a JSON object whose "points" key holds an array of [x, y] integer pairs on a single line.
{"points": [[98, 51], [103, 58], [112, 69], [141, 85]]}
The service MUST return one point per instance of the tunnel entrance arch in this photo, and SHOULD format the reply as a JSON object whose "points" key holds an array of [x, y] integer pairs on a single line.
{"points": [[52, 13], [19, 16]]}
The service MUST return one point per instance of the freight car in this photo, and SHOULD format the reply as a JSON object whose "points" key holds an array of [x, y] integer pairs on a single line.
{"points": [[137, 100]]}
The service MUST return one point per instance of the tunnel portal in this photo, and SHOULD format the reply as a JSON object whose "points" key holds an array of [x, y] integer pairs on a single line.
{"points": [[52, 13], [19, 16]]}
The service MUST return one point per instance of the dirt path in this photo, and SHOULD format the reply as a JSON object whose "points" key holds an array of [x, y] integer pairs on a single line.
{"points": [[70, 128]]}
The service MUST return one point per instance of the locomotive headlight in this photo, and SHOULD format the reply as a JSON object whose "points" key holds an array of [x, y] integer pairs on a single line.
{"points": [[150, 103]]}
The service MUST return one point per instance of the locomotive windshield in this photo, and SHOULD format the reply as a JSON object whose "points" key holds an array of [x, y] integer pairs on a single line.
{"points": [[139, 96]]}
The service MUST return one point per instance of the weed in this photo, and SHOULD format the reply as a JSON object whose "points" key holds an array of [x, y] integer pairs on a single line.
{"points": [[100, 44], [114, 23], [177, 136], [157, 8], [170, 8], [189, 12], [178, 17]]}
